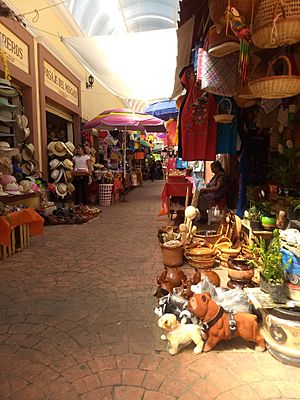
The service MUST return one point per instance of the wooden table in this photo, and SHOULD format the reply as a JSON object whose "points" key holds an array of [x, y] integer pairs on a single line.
{"points": [[174, 189]]}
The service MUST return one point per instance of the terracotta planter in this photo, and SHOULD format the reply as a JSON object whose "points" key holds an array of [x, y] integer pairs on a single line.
{"points": [[170, 278], [281, 330]]}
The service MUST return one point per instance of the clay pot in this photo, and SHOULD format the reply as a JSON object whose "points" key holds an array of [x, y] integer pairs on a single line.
{"points": [[173, 256], [171, 278], [209, 236], [239, 270]]}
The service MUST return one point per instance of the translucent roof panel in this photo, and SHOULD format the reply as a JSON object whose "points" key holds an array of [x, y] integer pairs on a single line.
{"points": [[105, 17]]}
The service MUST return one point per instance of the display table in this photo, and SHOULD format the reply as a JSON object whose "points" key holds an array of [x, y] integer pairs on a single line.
{"points": [[174, 189], [18, 226], [31, 200]]}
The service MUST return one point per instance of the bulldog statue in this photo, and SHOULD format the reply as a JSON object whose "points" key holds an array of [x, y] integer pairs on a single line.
{"points": [[218, 325]]}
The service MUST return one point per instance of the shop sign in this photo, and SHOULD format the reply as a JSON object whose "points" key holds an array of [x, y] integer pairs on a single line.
{"points": [[16, 51], [60, 84]]}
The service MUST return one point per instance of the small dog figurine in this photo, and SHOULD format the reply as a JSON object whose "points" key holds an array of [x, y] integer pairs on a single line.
{"points": [[180, 334], [219, 325]]}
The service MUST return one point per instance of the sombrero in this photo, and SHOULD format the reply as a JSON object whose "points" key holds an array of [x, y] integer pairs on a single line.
{"points": [[6, 150], [4, 105], [54, 163], [6, 89], [22, 133], [70, 148], [67, 163], [27, 152], [27, 168], [70, 187], [12, 188], [2, 193], [56, 174], [68, 175], [26, 185], [61, 189], [59, 149]]}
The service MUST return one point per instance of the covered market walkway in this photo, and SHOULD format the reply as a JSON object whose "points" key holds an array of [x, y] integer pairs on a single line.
{"points": [[77, 321]]}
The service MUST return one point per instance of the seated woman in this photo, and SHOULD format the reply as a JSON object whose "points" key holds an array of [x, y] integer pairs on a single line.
{"points": [[215, 190]]}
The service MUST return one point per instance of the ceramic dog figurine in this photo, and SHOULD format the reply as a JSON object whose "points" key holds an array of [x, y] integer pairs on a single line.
{"points": [[219, 325], [180, 334]]}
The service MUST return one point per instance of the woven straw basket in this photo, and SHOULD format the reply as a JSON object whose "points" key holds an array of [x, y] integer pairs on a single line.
{"points": [[224, 118], [246, 8], [277, 23], [278, 86]]}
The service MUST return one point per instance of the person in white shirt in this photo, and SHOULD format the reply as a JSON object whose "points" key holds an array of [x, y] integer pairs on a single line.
{"points": [[82, 169]]}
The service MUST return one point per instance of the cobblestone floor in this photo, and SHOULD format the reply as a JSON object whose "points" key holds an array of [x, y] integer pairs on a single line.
{"points": [[77, 321]]}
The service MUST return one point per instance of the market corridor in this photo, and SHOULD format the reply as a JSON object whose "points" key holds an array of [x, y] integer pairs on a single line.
{"points": [[77, 321]]}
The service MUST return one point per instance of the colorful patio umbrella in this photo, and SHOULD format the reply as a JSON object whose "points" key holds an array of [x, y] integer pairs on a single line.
{"points": [[164, 109], [126, 120]]}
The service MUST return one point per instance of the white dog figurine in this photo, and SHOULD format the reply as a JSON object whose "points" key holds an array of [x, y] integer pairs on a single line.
{"points": [[180, 334]]}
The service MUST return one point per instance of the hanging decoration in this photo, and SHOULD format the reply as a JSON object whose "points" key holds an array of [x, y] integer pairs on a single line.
{"points": [[242, 32]]}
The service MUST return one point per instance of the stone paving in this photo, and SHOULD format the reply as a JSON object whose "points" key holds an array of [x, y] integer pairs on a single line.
{"points": [[77, 321]]}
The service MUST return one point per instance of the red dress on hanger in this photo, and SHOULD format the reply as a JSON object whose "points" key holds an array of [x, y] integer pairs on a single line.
{"points": [[197, 127]]}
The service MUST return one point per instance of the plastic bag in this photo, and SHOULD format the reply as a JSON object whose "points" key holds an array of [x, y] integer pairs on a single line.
{"points": [[234, 300]]}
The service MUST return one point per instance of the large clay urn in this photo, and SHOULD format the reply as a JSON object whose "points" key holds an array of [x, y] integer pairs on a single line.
{"points": [[170, 278]]}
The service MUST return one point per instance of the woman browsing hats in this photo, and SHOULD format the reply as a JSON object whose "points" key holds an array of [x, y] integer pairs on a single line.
{"points": [[82, 169]]}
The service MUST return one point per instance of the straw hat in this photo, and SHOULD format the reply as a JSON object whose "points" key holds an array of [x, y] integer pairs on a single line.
{"points": [[22, 133], [68, 175], [2, 193], [4, 105], [6, 150], [27, 152], [56, 174], [7, 120], [59, 149], [12, 188], [6, 89], [26, 185], [27, 168], [70, 187], [67, 163], [61, 189], [70, 148], [54, 163]]}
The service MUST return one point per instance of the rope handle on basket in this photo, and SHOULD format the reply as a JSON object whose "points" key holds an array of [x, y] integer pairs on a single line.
{"points": [[224, 100], [286, 59]]}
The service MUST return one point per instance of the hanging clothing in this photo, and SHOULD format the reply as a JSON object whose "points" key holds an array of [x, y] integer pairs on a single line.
{"points": [[197, 127], [171, 127]]}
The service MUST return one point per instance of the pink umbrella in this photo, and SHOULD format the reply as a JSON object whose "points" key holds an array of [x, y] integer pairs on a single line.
{"points": [[125, 119]]}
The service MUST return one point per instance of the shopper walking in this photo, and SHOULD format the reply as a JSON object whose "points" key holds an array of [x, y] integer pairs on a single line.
{"points": [[82, 169], [152, 169]]}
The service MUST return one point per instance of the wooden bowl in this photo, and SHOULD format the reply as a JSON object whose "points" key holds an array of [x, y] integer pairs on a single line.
{"points": [[205, 252]]}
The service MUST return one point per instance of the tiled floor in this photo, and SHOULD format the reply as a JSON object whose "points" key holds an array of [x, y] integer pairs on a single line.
{"points": [[77, 321]]}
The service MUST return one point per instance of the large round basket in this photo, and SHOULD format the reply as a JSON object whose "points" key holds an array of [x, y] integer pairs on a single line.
{"points": [[246, 8], [277, 23], [277, 86]]}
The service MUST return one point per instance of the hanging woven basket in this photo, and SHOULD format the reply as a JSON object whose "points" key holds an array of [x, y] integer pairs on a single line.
{"points": [[220, 44], [224, 110], [246, 8], [277, 23], [276, 86]]}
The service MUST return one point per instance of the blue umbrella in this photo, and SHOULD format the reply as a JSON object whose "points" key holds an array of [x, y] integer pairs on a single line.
{"points": [[164, 109]]}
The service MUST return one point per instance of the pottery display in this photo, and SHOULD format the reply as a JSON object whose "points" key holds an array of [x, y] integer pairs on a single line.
{"points": [[240, 273], [209, 236], [281, 330]]}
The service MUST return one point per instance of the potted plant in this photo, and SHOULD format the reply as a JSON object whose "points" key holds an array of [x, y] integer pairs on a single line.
{"points": [[254, 215], [268, 259]]}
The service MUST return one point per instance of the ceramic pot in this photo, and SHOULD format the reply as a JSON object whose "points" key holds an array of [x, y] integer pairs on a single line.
{"points": [[170, 278], [278, 293], [172, 257], [281, 330], [239, 270], [235, 283], [209, 236]]}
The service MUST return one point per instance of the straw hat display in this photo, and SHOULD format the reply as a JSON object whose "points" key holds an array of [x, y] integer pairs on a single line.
{"points": [[61, 166], [26, 186]]}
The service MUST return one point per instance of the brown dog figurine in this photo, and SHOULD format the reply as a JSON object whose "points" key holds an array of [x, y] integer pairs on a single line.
{"points": [[219, 325]]}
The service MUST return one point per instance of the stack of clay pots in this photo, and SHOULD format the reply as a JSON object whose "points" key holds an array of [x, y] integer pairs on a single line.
{"points": [[61, 166], [203, 258]]}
